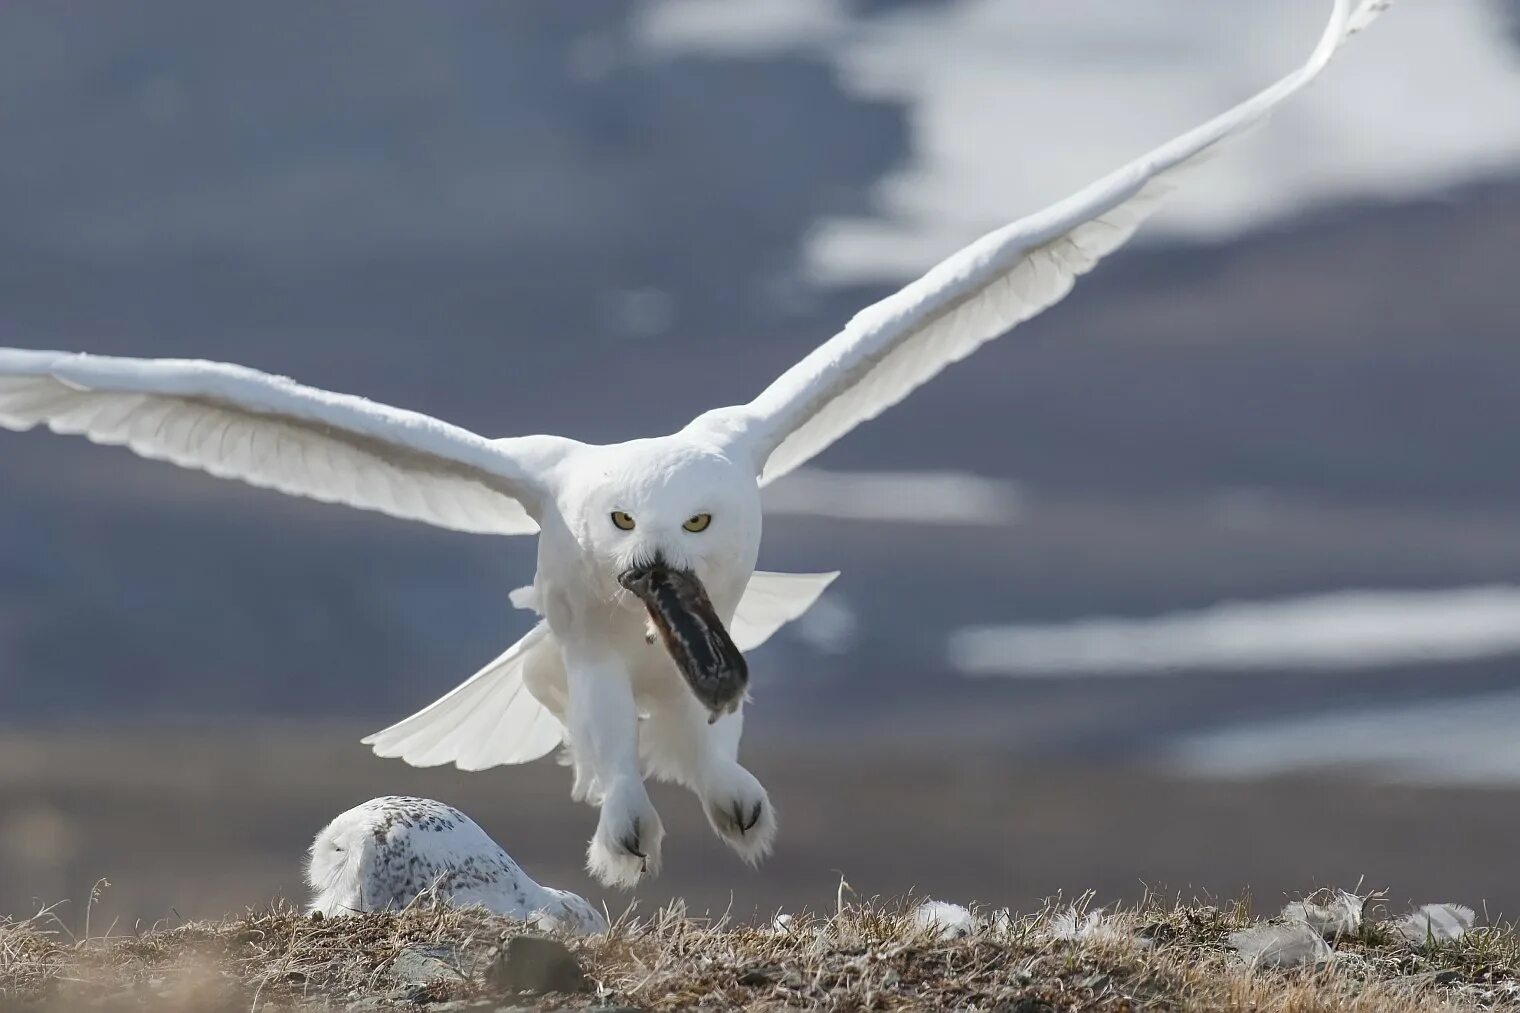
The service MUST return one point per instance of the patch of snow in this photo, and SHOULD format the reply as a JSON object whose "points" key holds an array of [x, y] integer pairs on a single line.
{"points": [[1011, 106], [1041, 98], [1443, 742], [831, 626], [666, 28], [1340, 631]]}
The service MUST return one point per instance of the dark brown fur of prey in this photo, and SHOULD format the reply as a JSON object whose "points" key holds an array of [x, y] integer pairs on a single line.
{"points": [[693, 634]]}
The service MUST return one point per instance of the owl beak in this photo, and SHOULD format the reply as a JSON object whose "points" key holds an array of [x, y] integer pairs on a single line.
{"points": [[694, 636]]}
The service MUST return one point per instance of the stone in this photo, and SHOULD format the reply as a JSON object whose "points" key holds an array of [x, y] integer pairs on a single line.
{"points": [[421, 964], [536, 964], [1027, 1004], [756, 977]]}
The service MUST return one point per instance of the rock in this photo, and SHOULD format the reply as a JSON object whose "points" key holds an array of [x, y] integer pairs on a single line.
{"points": [[756, 977], [1428, 979], [536, 964], [369, 1002], [1097, 982], [424, 994], [1028, 1004], [422, 964]]}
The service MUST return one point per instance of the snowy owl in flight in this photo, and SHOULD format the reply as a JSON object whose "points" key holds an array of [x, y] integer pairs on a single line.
{"points": [[646, 575]]}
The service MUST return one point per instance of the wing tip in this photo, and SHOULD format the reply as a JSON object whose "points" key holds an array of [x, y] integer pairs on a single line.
{"points": [[1365, 14], [412, 757]]}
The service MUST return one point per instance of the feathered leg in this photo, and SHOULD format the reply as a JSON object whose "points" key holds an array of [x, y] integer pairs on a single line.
{"points": [[681, 745], [603, 728]]}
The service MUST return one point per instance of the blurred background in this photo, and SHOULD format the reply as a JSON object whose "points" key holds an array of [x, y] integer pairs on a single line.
{"points": [[1206, 580]]}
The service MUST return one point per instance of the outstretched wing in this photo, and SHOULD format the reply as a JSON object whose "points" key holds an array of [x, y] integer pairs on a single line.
{"points": [[491, 718], [1000, 280], [771, 600], [235, 422]]}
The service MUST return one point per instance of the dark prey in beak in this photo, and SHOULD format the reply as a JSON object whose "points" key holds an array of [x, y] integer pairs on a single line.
{"points": [[694, 635]]}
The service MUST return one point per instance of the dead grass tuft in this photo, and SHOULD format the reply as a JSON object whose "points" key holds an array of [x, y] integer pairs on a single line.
{"points": [[873, 955]]}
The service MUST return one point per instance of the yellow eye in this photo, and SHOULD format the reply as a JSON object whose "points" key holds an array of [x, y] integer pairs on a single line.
{"points": [[698, 523], [622, 520]]}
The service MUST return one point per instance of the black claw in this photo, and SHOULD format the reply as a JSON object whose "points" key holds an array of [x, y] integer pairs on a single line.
{"points": [[630, 842], [745, 826]]}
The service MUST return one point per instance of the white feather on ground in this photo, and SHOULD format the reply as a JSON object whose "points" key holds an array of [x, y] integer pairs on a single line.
{"points": [[1292, 945], [384, 854], [943, 920], [1095, 926], [1309, 923], [1339, 914], [1435, 923]]}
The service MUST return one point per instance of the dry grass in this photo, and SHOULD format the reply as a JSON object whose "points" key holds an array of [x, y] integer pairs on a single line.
{"points": [[863, 956]]}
